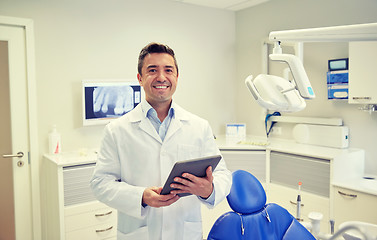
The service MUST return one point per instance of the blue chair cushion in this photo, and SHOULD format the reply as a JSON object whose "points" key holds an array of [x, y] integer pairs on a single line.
{"points": [[257, 227], [246, 194], [227, 226], [297, 231]]}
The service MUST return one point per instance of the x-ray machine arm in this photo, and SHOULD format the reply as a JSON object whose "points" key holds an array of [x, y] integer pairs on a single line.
{"points": [[278, 94]]}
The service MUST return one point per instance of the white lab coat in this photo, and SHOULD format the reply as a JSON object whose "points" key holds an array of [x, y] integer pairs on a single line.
{"points": [[133, 157]]}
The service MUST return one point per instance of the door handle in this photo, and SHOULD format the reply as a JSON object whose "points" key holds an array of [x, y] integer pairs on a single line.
{"points": [[347, 194], [19, 155], [103, 214]]}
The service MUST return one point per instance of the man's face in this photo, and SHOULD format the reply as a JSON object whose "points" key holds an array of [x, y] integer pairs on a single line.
{"points": [[158, 78]]}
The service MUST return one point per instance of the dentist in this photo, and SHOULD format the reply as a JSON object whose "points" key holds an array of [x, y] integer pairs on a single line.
{"points": [[139, 149]]}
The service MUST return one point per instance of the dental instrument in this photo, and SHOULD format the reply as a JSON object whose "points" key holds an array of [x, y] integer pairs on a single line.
{"points": [[298, 209]]}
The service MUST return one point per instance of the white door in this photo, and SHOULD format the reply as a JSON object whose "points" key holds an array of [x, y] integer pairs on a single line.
{"points": [[16, 220]]}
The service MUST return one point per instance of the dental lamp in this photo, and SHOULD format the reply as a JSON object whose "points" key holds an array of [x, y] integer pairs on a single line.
{"points": [[279, 94]]}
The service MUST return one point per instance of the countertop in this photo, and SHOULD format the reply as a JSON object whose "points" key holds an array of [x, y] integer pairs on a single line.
{"points": [[80, 157], [365, 185], [282, 145], [355, 182]]}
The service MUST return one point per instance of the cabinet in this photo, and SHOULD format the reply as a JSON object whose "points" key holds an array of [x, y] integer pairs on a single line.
{"points": [[280, 165], [286, 171], [92, 220], [350, 205], [71, 211], [362, 72], [253, 161], [318, 168]]}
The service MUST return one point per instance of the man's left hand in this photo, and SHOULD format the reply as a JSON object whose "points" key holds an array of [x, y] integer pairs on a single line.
{"points": [[200, 186]]}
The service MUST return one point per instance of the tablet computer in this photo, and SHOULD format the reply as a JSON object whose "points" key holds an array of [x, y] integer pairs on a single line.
{"points": [[197, 167]]}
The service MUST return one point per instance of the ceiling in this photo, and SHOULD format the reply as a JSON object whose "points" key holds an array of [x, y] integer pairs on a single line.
{"points": [[233, 5]]}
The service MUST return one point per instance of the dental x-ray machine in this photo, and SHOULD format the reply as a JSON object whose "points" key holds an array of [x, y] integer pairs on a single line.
{"points": [[279, 94]]}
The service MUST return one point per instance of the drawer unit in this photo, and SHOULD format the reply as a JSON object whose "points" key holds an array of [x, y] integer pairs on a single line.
{"points": [[92, 220], [350, 205], [87, 233], [70, 209], [93, 214]]}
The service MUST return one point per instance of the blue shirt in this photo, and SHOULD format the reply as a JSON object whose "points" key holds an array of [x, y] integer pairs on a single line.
{"points": [[151, 114]]}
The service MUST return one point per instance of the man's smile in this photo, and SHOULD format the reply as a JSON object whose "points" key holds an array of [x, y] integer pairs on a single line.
{"points": [[161, 87]]}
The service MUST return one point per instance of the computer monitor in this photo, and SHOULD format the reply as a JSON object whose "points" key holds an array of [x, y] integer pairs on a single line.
{"points": [[105, 100]]}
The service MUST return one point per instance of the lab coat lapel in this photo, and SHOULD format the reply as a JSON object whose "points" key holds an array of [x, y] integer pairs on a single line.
{"points": [[175, 125], [136, 116], [147, 127], [177, 121]]}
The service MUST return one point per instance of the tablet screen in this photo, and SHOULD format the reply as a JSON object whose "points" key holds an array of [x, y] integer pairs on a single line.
{"points": [[196, 167]]}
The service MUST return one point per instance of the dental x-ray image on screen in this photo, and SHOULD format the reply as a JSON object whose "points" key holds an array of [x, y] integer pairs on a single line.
{"points": [[104, 100]]}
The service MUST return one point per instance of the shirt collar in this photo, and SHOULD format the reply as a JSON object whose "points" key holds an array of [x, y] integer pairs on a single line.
{"points": [[148, 109]]}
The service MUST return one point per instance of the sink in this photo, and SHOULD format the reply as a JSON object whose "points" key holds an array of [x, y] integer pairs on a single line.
{"points": [[369, 229]]}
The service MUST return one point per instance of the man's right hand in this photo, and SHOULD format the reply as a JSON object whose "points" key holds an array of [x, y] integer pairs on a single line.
{"points": [[152, 197]]}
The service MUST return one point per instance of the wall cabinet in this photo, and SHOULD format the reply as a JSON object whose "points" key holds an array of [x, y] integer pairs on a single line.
{"points": [[362, 72], [71, 212], [350, 205]]}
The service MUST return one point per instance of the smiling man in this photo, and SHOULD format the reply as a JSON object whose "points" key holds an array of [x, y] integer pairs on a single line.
{"points": [[158, 75], [139, 149]]}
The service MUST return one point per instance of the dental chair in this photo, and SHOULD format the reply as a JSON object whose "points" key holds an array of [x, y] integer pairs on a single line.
{"points": [[252, 217]]}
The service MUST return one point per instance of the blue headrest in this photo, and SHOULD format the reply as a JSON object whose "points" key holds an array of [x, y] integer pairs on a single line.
{"points": [[246, 194]]}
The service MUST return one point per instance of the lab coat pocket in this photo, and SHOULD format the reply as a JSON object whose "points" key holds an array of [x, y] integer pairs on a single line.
{"points": [[192, 231], [140, 234], [186, 152]]}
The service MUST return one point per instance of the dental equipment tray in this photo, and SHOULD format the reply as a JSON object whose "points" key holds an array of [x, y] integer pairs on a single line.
{"points": [[197, 167]]}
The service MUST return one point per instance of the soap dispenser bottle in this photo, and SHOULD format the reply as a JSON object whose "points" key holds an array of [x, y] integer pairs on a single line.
{"points": [[54, 141]]}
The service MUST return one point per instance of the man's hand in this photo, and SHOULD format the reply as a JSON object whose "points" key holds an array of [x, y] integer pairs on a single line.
{"points": [[195, 185], [152, 197]]}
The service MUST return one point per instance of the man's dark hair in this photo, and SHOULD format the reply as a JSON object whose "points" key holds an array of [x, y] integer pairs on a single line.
{"points": [[154, 48]]}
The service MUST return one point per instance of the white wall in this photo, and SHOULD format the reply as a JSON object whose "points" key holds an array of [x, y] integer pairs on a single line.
{"points": [[216, 50], [254, 24], [83, 39]]}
